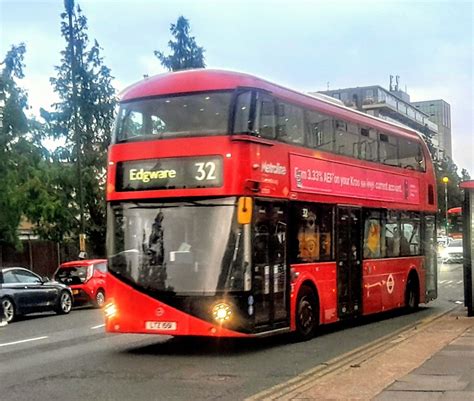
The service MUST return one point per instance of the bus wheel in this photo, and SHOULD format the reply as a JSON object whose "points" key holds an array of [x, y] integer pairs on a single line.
{"points": [[412, 294], [307, 314]]}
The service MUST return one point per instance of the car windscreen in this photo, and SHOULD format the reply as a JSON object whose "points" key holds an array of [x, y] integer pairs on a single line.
{"points": [[71, 275]]}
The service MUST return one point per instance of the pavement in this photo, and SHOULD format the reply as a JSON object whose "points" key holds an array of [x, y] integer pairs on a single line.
{"points": [[433, 361]]}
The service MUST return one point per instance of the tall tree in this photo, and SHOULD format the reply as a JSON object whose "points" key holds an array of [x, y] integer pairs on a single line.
{"points": [[83, 119], [185, 53], [13, 127]]}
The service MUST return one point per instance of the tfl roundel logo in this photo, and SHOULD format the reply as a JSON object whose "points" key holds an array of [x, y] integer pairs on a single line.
{"points": [[390, 284]]}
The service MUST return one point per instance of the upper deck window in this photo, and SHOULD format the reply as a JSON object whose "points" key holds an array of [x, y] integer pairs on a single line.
{"points": [[265, 116], [368, 144], [290, 126], [174, 116], [388, 149], [320, 131], [410, 155], [347, 139]]}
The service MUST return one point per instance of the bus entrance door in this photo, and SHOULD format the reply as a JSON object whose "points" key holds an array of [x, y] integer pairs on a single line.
{"points": [[349, 262], [270, 273]]}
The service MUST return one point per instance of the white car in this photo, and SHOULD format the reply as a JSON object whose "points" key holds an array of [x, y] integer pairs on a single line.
{"points": [[453, 252]]}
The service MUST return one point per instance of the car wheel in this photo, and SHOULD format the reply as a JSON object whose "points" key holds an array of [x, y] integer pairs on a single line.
{"points": [[99, 301], [64, 303], [9, 309], [307, 314]]}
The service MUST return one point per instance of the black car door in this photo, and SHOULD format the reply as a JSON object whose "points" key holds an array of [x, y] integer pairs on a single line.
{"points": [[35, 296], [17, 291]]}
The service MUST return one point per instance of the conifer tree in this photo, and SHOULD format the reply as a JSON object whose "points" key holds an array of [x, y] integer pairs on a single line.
{"points": [[185, 53], [83, 120], [13, 128]]}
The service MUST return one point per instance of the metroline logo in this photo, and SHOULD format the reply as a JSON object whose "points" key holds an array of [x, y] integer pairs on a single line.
{"points": [[271, 168], [148, 175]]}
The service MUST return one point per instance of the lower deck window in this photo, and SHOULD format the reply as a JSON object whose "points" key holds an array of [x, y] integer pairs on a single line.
{"points": [[313, 233]]}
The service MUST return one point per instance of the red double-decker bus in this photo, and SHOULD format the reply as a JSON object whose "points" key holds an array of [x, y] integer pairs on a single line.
{"points": [[237, 207]]}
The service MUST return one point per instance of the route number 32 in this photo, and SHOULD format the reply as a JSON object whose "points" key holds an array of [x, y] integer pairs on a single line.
{"points": [[205, 171]]}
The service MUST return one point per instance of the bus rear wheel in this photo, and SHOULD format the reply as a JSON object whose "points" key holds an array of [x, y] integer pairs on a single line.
{"points": [[412, 294], [307, 314]]}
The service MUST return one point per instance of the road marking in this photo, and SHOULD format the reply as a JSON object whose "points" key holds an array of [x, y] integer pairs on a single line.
{"points": [[449, 282], [98, 326], [442, 281], [24, 341], [460, 282]]}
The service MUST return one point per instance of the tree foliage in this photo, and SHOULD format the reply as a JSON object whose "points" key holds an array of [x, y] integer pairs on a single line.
{"points": [[14, 147], [85, 109], [185, 53], [445, 167]]}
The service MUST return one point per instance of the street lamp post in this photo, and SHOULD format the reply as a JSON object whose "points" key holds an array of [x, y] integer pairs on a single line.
{"points": [[445, 181]]}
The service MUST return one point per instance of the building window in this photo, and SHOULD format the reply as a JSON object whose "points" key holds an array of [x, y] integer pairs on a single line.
{"points": [[381, 95]]}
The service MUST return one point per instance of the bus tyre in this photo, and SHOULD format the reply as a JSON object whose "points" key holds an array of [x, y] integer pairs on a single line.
{"points": [[412, 294], [307, 314]]}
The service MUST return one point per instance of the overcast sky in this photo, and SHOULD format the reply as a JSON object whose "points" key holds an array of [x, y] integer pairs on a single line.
{"points": [[306, 45]]}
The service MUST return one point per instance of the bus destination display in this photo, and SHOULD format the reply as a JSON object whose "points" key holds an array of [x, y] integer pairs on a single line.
{"points": [[176, 173]]}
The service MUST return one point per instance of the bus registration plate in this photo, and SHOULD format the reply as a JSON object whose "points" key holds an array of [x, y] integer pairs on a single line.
{"points": [[167, 326]]}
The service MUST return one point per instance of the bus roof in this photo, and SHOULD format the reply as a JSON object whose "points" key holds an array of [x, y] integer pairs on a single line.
{"points": [[201, 80]]}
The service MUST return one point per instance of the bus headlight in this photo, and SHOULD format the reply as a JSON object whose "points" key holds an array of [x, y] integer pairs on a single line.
{"points": [[222, 312], [110, 310]]}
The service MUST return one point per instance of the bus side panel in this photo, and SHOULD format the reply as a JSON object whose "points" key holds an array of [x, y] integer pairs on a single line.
{"points": [[323, 277], [384, 282]]}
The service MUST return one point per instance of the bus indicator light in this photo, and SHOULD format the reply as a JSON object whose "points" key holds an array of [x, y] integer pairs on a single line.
{"points": [[244, 213], [110, 310]]}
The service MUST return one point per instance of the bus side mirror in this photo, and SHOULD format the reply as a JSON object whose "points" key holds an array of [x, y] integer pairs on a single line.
{"points": [[244, 210]]}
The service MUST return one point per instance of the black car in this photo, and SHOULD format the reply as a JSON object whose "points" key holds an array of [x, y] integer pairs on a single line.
{"points": [[23, 292]]}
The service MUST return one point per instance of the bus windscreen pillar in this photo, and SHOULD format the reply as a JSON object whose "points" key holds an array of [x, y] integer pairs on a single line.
{"points": [[468, 245]]}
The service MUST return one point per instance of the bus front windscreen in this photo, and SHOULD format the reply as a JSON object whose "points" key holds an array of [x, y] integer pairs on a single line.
{"points": [[173, 116], [182, 248]]}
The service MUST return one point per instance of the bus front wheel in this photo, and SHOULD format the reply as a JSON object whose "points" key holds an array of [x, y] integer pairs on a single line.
{"points": [[307, 314]]}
